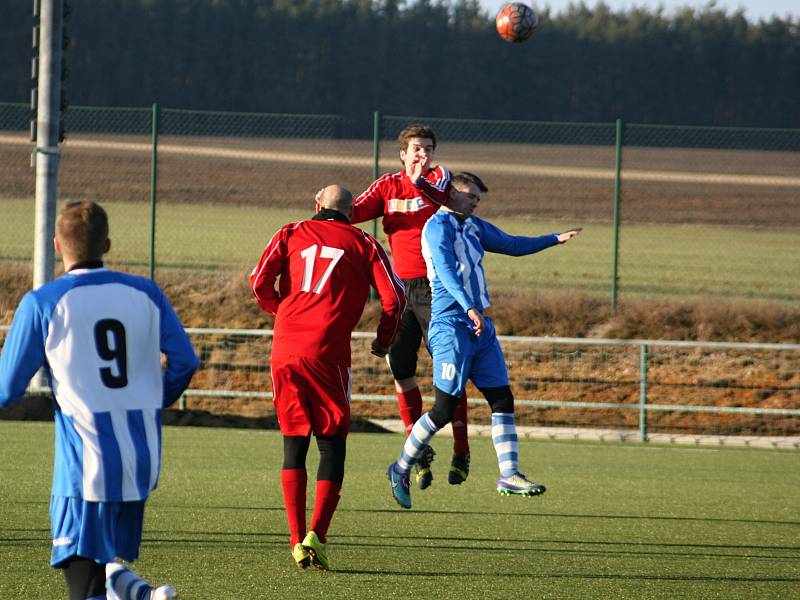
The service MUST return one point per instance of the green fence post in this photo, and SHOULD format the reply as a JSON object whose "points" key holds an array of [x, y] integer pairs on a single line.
{"points": [[617, 187], [376, 155], [376, 158], [643, 393], [153, 180]]}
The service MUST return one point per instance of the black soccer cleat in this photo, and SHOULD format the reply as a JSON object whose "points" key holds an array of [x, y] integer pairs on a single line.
{"points": [[459, 469], [423, 468]]}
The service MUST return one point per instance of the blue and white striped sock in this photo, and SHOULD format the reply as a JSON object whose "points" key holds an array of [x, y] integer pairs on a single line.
{"points": [[124, 584], [421, 434], [506, 445]]}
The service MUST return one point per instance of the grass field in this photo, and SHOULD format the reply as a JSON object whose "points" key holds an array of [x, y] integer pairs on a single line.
{"points": [[617, 521], [654, 260]]}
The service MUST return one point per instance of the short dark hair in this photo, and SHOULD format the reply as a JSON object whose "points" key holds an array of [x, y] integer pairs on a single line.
{"points": [[82, 230], [416, 130], [464, 178]]}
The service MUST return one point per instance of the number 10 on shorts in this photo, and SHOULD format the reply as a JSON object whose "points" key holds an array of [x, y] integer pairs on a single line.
{"points": [[448, 371]]}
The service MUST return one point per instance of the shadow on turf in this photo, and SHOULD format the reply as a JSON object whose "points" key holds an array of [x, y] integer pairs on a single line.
{"points": [[616, 548], [515, 513], [281, 541], [613, 548], [209, 537], [518, 513], [576, 576]]}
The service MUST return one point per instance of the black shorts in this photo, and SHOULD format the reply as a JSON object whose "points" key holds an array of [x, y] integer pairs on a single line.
{"points": [[413, 328]]}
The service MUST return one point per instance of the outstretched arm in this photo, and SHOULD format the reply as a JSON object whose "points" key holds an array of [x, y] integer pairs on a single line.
{"points": [[496, 240]]}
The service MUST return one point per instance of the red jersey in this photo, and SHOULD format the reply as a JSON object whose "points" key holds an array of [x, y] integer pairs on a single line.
{"points": [[326, 267], [405, 209]]}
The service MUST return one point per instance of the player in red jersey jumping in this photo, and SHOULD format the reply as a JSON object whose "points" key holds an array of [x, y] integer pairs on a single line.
{"points": [[406, 200], [324, 267]]}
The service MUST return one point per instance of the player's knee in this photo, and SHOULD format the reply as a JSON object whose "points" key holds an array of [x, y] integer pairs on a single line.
{"points": [[295, 449], [405, 385], [332, 453], [402, 363], [444, 407], [500, 399]]}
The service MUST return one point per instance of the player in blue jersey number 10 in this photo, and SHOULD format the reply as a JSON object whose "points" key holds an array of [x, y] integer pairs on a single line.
{"points": [[462, 338]]}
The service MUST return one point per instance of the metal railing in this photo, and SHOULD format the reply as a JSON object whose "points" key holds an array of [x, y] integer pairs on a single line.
{"points": [[719, 388]]}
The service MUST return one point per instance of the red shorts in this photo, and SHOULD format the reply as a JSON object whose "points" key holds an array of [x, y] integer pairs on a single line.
{"points": [[311, 396]]}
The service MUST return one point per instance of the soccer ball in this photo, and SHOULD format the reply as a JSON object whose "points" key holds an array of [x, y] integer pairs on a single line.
{"points": [[516, 22]]}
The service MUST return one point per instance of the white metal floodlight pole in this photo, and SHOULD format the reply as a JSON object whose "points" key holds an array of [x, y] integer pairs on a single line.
{"points": [[46, 154], [47, 96]]}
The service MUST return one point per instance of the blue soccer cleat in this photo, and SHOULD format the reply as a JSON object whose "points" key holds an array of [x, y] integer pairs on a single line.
{"points": [[400, 486]]}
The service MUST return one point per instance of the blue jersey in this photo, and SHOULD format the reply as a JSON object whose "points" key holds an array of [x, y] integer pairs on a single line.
{"points": [[453, 249], [100, 335]]}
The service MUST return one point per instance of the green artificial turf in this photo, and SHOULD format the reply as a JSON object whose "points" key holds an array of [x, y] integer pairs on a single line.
{"points": [[621, 521]]}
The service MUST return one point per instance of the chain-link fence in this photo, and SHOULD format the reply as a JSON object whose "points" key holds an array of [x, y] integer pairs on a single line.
{"points": [[701, 212], [710, 211], [653, 387], [622, 389]]}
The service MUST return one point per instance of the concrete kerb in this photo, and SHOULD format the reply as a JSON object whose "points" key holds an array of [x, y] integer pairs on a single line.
{"points": [[619, 435]]}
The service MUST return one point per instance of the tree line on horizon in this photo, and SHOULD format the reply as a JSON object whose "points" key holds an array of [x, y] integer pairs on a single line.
{"points": [[419, 58]]}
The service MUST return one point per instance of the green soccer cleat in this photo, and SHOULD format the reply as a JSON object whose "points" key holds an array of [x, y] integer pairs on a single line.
{"points": [[517, 484], [459, 469], [423, 468], [319, 557], [301, 556]]}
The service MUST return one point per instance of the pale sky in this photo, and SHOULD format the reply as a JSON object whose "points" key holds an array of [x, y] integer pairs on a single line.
{"points": [[755, 10]]}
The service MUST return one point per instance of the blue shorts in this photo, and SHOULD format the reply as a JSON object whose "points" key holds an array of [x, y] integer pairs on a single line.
{"points": [[459, 355], [101, 531]]}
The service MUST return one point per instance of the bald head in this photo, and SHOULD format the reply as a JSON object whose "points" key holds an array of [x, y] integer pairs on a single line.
{"points": [[335, 197]]}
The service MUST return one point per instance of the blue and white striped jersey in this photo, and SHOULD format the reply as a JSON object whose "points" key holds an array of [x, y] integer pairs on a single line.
{"points": [[100, 335], [453, 249]]}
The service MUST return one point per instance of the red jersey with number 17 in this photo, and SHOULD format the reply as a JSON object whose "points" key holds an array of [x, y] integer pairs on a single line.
{"points": [[405, 209], [325, 269]]}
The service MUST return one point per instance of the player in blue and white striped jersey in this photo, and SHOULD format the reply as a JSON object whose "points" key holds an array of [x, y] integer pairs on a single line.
{"points": [[462, 339], [99, 334]]}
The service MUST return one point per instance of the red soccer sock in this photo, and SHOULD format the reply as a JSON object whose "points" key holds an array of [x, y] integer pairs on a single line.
{"points": [[459, 425], [293, 482], [326, 499], [410, 404]]}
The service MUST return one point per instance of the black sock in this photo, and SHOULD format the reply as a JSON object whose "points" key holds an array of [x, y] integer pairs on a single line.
{"points": [[85, 578]]}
